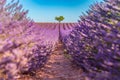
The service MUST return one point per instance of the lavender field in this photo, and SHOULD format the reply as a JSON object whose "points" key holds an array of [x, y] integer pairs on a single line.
{"points": [[85, 50], [50, 31]]}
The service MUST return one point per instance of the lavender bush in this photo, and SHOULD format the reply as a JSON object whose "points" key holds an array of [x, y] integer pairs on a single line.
{"points": [[21, 46], [39, 57], [95, 43]]}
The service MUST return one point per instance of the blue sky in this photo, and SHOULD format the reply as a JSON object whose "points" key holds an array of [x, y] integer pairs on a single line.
{"points": [[46, 10]]}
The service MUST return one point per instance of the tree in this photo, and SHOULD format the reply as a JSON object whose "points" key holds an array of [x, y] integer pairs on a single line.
{"points": [[59, 19]]}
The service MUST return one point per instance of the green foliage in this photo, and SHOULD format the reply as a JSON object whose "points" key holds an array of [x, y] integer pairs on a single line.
{"points": [[60, 18]]}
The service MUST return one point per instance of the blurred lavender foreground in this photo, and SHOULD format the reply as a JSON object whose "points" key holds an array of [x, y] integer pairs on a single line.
{"points": [[95, 44], [21, 47]]}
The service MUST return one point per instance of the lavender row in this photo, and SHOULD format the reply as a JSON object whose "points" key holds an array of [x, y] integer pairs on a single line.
{"points": [[21, 45], [94, 44]]}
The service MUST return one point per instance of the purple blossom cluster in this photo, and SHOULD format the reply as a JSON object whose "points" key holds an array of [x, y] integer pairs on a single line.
{"points": [[21, 46], [39, 57], [95, 43], [17, 59]]}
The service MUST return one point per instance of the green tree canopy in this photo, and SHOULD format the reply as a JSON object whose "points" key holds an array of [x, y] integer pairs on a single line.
{"points": [[60, 18]]}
